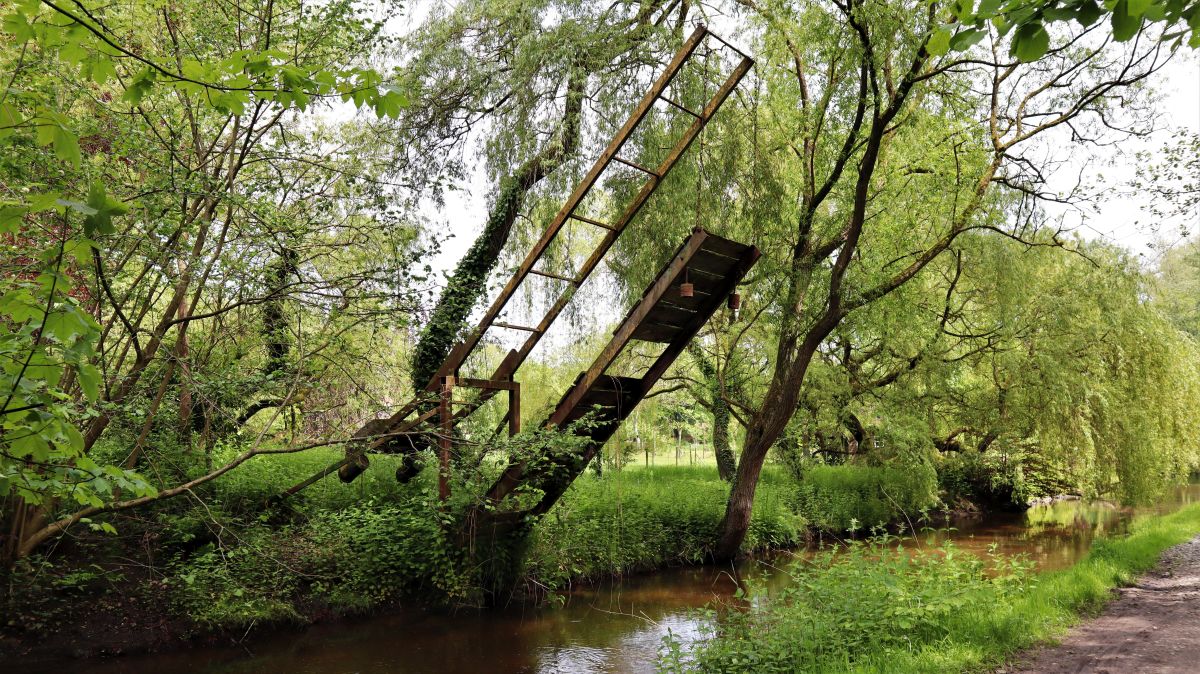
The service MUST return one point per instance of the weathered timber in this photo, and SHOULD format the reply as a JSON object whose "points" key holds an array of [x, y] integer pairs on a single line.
{"points": [[428, 405], [610, 399]]}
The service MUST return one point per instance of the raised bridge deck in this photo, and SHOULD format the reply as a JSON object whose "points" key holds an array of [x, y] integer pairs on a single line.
{"points": [[713, 266]]}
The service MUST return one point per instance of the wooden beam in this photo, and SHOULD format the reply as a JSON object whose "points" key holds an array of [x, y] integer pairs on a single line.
{"points": [[510, 326], [624, 332], [643, 108], [590, 221], [679, 105], [506, 385], [633, 164], [552, 275]]}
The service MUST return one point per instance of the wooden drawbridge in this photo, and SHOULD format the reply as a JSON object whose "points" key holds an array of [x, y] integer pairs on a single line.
{"points": [[687, 292], [712, 265]]}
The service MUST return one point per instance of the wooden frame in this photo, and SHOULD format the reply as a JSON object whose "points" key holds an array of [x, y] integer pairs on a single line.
{"points": [[435, 402], [723, 264]]}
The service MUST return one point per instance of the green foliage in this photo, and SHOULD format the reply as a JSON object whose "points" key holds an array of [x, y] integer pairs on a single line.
{"points": [[90, 228], [88, 36], [862, 601], [331, 551], [348, 556], [847, 498], [1027, 20], [641, 519], [884, 610], [47, 345]]}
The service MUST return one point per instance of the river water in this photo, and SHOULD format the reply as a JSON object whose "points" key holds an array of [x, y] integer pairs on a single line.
{"points": [[614, 627]]}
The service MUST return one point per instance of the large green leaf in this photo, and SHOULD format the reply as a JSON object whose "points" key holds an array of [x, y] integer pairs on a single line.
{"points": [[1030, 42], [1124, 25], [939, 41]]}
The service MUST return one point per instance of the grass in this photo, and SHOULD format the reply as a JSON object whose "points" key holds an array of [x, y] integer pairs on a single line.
{"points": [[849, 497], [641, 519], [878, 611]]}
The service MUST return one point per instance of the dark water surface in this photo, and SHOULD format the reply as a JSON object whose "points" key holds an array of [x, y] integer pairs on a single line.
{"points": [[607, 628]]}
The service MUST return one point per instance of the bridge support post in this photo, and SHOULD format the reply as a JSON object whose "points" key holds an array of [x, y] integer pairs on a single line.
{"points": [[514, 411], [446, 427]]}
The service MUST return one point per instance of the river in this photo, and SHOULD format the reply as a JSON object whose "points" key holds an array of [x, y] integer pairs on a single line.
{"points": [[613, 627]]}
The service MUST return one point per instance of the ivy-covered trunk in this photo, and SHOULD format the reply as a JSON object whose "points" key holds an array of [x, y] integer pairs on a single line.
{"points": [[726, 463], [719, 407], [469, 280]]}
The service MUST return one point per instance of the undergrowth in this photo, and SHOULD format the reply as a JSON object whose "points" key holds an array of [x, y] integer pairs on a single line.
{"points": [[643, 519], [872, 608], [337, 550]]}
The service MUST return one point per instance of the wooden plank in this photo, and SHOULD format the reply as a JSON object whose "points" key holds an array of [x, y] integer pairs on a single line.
{"points": [[676, 347], [662, 270], [712, 263], [722, 246], [625, 332], [692, 304], [669, 313], [502, 385], [661, 333], [611, 382]]}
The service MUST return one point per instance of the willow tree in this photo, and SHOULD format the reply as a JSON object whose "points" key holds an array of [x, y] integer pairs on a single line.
{"points": [[892, 147], [1045, 372], [521, 79]]}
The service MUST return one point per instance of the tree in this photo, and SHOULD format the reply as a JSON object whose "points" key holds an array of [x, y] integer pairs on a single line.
{"points": [[859, 157], [185, 124]]}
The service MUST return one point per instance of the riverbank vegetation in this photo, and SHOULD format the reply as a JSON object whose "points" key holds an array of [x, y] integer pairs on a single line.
{"points": [[875, 607], [233, 243]]}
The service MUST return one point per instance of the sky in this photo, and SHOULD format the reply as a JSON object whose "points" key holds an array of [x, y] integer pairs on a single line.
{"points": [[1124, 219]]}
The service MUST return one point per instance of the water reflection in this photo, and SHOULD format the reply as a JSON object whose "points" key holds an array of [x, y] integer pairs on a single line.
{"points": [[615, 627]]}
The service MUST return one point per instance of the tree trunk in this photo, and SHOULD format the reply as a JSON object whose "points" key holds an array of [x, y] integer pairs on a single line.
{"points": [[741, 495], [726, 463]]}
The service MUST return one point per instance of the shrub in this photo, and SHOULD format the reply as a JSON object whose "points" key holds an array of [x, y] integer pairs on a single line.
{"points": [[874, 609], [844, 498], [863, 599]]}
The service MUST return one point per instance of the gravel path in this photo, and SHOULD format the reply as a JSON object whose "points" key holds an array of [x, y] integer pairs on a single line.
{"points": [[1153, 626]]}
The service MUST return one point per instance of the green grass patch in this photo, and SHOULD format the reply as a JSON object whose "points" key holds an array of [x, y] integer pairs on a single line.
{"points": [[648, 518], [354, 548], [876, 609], [849, 498]]}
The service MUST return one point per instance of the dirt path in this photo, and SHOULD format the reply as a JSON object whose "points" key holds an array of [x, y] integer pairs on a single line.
{"points": [[1153, 626]]}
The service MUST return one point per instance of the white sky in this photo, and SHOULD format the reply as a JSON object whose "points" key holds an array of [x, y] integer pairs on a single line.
{"points": [[1117, 220]]}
